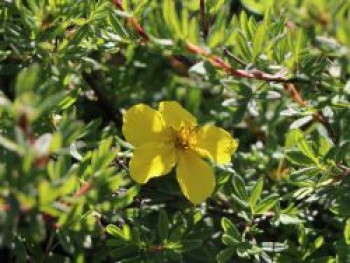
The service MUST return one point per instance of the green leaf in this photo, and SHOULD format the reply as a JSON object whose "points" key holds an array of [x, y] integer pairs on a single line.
{"points": [[126, 232], [177, 233], [343, 251], [266, 204], [190, 244], [127, 198], [289, 219], [215, 6], [229, 240], [256, 193], [256, 6], [47, 193], [102, 157], [217, 31], [258, 40], [10, 145], [116, 232], [299, 158], [163, 225], [293, 137], [273, 247], [230, 228], [242, 47], [28, 79], [171, 18], [347, 232], [304, 146], [318, 242], [239, 187], [225, 255], [324, 145]]}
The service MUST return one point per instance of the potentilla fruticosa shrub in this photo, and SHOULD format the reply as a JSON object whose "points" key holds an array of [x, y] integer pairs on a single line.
{"points": [[174, 131]]}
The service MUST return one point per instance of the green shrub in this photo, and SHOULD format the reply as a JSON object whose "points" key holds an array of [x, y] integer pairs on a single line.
{"points": [[274, 74]]}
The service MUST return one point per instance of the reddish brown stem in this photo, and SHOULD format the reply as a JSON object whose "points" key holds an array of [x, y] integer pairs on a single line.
{"points": [[118, 4], [133, 22], [82, 190], [294, 94], [203, 19], [221, 64]]}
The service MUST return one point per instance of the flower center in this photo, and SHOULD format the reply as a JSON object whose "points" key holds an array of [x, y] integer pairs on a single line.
{"points": [[185, 137]]}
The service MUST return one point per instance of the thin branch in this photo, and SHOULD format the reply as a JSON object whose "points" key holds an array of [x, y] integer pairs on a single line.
{"points": [[133, 22], [234, 57], [221, 64], [345, 172], [205, 28], [294, 94], [48, 246], [82, 190]]}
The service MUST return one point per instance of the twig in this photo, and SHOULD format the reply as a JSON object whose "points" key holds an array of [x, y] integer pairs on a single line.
{"points": [[205, 28], [133, 22], [318, 116], [345, 172], [82, 190], [48, 246], [219, 63], [294, 94], [235, 58]]}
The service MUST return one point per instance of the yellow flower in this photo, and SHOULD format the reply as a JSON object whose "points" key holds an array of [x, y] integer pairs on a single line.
{"points": [[170, 136]]}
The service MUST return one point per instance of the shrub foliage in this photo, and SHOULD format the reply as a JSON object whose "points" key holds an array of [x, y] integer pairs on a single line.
{"points": [[274, 73]]}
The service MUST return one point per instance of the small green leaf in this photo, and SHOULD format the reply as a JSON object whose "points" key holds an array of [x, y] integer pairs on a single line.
{"points": [[225, 255], [347, 232], [230, 228], [266, 204], [163, 225], [239, 186], [171, 18], [126, 232], [256, 192], [258, 40], [298, 158], [324, 145], [10, 145], [28, 79], [115, 232], [190, 244], [229, 240]]}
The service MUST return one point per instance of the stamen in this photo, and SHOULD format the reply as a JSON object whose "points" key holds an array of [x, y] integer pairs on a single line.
{"points": [[185, 137]]}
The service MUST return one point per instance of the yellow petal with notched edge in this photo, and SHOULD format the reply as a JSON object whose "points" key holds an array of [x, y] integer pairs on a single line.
{"points": [[142, 124], [175, 115], [151, 160], [217, 142], [195, 177]]}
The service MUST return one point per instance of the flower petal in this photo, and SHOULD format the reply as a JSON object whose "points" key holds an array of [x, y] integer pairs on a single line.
{"points": [[195, 177], [142, 124], [217, 142], [175, 115], [151, 160]]}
